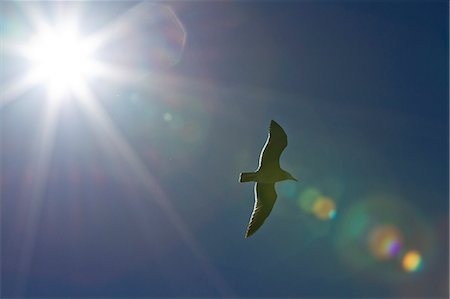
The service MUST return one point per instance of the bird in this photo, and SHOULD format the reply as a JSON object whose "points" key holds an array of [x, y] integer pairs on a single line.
{"points": [[268, 173]]}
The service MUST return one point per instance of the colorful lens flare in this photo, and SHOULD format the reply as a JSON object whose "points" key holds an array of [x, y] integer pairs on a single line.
{"points": [[307, 199], [313, 202], [288, 190], [385, 242], [412, 261], [148, 35], [377, 232], [324, 208]]}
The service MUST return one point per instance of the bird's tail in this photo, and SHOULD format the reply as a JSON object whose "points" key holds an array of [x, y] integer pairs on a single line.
{"points": [[247, 177]]}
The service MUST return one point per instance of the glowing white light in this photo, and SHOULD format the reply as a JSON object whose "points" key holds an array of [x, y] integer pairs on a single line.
{"points": [[60, 59]]}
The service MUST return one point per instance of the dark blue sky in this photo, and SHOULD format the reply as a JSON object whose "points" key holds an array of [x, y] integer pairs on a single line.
{"points": [[361, 90]]}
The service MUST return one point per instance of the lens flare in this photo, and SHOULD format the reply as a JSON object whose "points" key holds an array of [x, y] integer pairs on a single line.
{"points": [[307, 199], [385, 242], [374, 235], [324, 208], [288, 190], [412, 261], [146, 37], [313, 202], [167, 116]]}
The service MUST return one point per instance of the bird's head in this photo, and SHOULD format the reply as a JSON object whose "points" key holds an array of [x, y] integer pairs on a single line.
{"points": [[288, 176]]}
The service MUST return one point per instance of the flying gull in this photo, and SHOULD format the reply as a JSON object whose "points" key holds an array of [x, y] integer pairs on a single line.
{"points": [[268, 173]]}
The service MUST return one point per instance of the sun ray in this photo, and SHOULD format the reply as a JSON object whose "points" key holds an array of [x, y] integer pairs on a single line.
{"points": [[11, 92], [104, 123], [44, 143], [79, 90], [117, 74]]}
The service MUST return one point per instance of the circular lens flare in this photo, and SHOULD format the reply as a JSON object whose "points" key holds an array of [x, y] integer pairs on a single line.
{"points": [[375, 235], [385, 242], [313, 202], [167, 117], [324, 208], [412, 261], [307, 199]]}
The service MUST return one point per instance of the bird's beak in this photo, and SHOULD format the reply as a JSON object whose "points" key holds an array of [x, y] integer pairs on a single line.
{"points": [[294, 179]]}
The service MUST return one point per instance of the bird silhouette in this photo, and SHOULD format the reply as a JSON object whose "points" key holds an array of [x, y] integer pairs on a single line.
{"points": [[268, 173]]}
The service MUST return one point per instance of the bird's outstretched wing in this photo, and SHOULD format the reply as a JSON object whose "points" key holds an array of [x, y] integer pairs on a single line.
{"points": [[265, 196], [275, 144]]}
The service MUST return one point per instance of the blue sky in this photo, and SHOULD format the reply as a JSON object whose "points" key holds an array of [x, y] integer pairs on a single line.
{"points": [[134, 191]]}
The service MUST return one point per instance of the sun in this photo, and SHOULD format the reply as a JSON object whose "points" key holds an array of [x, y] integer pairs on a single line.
{"points": [[61, 59]]}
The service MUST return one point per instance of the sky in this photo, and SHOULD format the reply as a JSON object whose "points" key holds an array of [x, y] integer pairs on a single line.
{"points": [[122, 181]]}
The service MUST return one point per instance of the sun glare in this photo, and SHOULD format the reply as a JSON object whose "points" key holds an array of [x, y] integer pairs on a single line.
{"points": [[60, 59]]}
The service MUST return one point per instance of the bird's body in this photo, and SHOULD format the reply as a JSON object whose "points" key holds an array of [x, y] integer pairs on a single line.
{"points": [[268, 173]]}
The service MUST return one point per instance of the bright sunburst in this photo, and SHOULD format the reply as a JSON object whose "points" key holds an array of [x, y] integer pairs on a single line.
{"points": [[65, 61], [60, 58]]}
